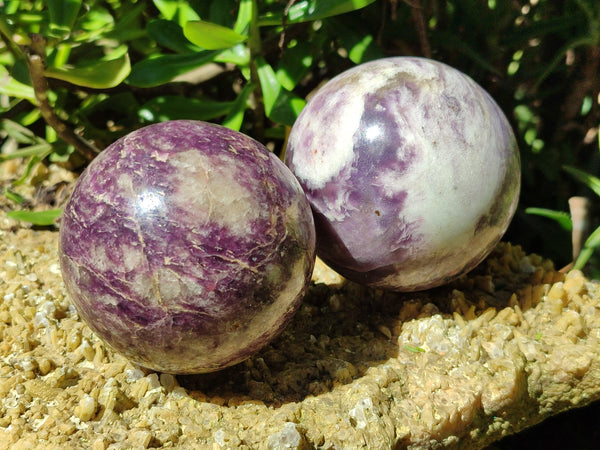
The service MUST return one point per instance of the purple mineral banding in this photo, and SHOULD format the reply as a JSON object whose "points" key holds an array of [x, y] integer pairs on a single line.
{"points": [[412, 171], [187, 246]]}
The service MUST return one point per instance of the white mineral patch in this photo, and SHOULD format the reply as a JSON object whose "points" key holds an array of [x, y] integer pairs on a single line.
{"points": [[359, 413], [287, 438], [328, 153], [330, 132], [211, 191]]}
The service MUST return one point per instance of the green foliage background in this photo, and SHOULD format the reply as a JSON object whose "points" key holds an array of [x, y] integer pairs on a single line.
{"points": [[113, 66]]}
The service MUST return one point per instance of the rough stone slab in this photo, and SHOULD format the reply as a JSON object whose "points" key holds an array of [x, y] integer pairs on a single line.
{"points": [[461, 366]]}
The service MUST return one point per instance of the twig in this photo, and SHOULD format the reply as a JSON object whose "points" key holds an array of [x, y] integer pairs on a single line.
{"points": [[254, 45], [286, 12], [419, 20], [34, 56]]}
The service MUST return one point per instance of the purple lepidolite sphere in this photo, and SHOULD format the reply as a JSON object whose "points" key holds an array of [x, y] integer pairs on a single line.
{"points": [[412, 171], [187, 246]]}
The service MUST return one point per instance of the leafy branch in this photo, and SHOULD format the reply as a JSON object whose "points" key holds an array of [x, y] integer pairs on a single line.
{"points": [[35, 58]]}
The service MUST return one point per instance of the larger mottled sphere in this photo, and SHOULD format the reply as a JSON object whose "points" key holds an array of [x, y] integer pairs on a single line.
{"points": [[412, 171], [187, 246]]}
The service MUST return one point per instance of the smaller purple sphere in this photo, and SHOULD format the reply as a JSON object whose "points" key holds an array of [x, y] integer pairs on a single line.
{"points": [[187, 246], [412, 171]]}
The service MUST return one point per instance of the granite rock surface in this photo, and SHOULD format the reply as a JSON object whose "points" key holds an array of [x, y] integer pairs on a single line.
{"points": [[459, 366]]}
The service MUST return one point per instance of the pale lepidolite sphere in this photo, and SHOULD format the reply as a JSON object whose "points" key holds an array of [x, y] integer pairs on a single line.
{"points": [[412, 171], [187, 246]]}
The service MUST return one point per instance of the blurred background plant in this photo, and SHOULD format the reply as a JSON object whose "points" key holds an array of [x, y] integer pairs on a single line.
{"points": [[75, 75]]}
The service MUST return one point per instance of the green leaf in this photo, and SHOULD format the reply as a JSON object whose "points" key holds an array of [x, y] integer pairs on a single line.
{"points": [[163, 68], [170, 35], [42, 218], [309, 10], [294, 65], [32, 150], [178, 10], [13, 196], [63, 14], [453, 43], [413, 349], [106, 73], [361, 47], [235, 117], [538, 29], [36, 157], [561, 217], [280, 105], [591, 243], [244, 17], [172, 107], [560, 55], [20, 133], [589, 180], [584, 256], [593, 239], [94, 22], [129, 26], [13, 88], [238, 55], [211, 36]]}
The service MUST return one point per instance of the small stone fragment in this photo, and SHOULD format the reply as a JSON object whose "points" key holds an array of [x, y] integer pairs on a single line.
{"points": [[287, 438], [86, 408]]}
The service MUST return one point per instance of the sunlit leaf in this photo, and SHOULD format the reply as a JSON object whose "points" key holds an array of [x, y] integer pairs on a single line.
{"points": [[361, 47], [238, 55], [63, 14], [32, 150], [14, 197], [593, 239], [244, 17], [280, 104], [42, 218], [18, 132], [591, 243], [584, 256], [13, 88], [95, 21], [103, 74], [178, 10], [589, 180], [414, 349], [561, 217], [211, 36], [235, 117], [310, 10], [33, 161], [294, 65]]}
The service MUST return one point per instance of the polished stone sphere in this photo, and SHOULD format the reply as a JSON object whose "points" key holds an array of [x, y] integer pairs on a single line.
{"points": [[187, 246], [412, 171]]}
